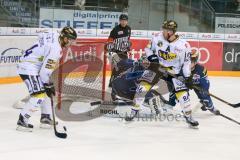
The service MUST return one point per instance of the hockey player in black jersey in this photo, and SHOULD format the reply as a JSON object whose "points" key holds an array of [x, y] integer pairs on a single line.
{"points": [[119, 44]]}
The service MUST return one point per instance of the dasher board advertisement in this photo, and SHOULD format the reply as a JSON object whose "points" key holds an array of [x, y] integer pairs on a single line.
{"points": [[58, 18], [230, 25]]}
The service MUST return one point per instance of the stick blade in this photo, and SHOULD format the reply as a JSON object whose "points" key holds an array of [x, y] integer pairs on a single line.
{"points": [[95, 103], [224, 116], [61, 135], [236, 105]]}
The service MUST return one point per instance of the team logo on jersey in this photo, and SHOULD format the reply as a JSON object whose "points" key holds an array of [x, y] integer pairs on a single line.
{"points": [[40, 59], [120, 32], [168, 56], [196, 78], [160, 44]]}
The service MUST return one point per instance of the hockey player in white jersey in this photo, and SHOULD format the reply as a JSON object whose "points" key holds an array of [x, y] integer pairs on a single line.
{"points": [[35, 68], [167, 52]]}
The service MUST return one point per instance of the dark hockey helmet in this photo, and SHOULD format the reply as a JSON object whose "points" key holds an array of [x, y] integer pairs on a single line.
{"points": [[123, 17], [170, 25], [68, 32]]}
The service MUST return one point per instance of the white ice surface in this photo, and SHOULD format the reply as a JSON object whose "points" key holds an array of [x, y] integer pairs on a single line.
{"points": [[111, 139]]}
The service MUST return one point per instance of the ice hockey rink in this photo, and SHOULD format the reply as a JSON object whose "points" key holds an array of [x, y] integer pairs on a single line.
{"points": [[110, 138]]}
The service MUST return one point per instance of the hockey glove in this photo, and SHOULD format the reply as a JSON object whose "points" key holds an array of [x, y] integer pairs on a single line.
{"points": [[189, 82], [49, 89]]}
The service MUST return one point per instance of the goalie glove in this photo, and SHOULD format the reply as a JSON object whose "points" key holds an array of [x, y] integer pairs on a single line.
{"points": [[49, 89]]}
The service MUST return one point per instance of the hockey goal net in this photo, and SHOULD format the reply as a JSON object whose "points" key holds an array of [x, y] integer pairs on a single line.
{"points": [[82, 72]]}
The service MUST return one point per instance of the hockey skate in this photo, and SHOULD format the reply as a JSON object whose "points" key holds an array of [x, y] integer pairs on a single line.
{"points": [[133, 114], [191, 122], [23, 125], [46, 122], [212, 110]]}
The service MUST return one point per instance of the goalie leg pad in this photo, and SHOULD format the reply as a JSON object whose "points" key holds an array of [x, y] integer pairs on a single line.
{"points": [[141, 92], [150, 77], [155, 103]]}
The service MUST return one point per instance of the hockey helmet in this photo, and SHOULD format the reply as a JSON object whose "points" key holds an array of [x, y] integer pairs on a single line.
{"points": [[170, 25], [194, 56], [68, 32], [123, 17]]}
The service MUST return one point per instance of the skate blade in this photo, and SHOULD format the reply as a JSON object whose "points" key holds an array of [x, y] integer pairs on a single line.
{"points": [[127, 121], [24, 129], [45, 126], [192, 127], [215, 113]]}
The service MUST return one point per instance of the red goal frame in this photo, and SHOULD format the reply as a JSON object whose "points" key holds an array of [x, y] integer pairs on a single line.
{"points": [[100, 43]]}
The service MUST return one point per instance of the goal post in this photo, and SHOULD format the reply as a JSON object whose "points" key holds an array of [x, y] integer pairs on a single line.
{"points": [[82, 72]]}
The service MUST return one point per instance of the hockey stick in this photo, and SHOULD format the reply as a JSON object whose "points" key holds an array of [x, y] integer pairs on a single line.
{"points": [[198, 88], [58, 134], [224, 116], [220, 99], [123, 103]]}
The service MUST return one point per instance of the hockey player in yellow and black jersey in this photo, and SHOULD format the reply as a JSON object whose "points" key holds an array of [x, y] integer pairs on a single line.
{"points": [[171, 53]]}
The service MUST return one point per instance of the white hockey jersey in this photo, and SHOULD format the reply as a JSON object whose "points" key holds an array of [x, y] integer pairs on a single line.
{"points": [[41, 58], [175, 56]]}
